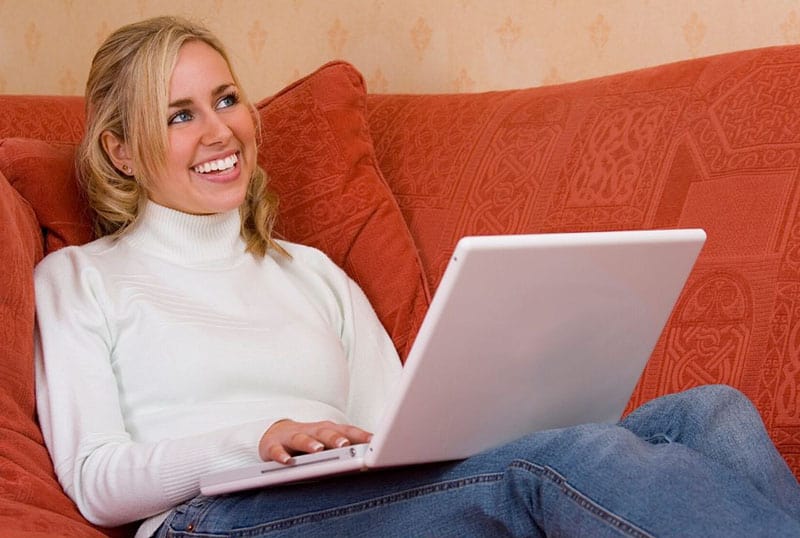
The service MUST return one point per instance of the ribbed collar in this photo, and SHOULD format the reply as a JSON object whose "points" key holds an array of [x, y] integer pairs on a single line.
{"points": [[187, 239]]}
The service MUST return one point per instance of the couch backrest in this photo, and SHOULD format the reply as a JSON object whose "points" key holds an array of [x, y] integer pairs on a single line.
{"points": [[50, 118], [711, 143]]}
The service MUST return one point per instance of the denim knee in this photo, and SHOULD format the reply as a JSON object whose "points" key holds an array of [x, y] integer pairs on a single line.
{"points": [[686, 416], [719, 400]]}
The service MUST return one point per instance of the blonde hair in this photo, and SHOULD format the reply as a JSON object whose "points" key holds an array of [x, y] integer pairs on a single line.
{"points": [[127, 94]]}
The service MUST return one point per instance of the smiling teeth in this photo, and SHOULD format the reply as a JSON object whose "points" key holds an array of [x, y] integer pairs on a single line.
{"points": [[218, 165]]}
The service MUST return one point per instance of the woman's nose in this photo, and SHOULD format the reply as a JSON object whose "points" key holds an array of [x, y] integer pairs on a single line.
{"points": [[216, 130]]}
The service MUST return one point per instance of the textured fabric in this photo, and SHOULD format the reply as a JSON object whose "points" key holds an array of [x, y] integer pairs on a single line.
{"points": [[44, 173], [237, 342], [31, 500], [711, 143], [694, 464], [317, 150], [45, 117]]}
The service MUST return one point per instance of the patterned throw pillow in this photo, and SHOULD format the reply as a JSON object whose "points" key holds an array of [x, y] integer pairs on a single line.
{"points": [[317, 150]]}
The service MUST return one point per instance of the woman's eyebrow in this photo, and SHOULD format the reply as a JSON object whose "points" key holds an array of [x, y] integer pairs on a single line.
{"points": [[222, 88]]}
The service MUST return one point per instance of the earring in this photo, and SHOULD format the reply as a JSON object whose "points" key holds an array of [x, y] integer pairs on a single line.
{"points": [[126, 169]]}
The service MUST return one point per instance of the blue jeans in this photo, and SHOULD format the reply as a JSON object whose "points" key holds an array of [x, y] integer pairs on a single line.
{"points": [[697, 463]]}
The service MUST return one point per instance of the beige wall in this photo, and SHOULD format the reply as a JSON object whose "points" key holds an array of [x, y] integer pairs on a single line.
{"points": [[400, 45]]}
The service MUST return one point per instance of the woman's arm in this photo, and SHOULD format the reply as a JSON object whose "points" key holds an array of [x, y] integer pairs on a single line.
{"points": [[111, 478], [373, 362], [373, 365]]}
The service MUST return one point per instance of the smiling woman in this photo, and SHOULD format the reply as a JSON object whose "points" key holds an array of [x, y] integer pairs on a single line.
{"points": [[211, 146], [162, 113], [186, 282]]}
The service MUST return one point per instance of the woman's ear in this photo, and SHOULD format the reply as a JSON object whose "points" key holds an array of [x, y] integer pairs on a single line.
{"points": [[118, 151]]}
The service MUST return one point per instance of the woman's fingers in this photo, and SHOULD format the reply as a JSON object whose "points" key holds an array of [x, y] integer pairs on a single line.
{"points": [[277, 453], [357, 435], [287, 437], [303, 442], [333, 438]]}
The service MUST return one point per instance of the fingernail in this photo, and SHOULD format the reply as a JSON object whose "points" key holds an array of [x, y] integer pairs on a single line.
{"points": [[317, 446], [342, 442]]}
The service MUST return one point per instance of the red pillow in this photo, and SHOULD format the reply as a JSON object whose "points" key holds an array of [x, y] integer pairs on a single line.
{"points": [[31, 499], [317, 150], [44, 174]]}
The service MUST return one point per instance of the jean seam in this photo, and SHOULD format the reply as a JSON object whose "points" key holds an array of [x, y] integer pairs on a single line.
{"points": [[582, 500], [200, 505], [362, 506]]}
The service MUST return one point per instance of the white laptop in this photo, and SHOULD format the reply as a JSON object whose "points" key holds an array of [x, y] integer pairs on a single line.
{"points": [[525, 333]]}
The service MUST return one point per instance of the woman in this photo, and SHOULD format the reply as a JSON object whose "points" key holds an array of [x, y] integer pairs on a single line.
{"points": [[187, 340]]}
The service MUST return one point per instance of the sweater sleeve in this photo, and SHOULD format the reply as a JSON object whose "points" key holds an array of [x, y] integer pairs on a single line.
{"points": [[112, 479], [373, 362]]}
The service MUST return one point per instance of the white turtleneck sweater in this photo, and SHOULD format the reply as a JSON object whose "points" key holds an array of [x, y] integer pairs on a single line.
{"points": [[167, 353]]}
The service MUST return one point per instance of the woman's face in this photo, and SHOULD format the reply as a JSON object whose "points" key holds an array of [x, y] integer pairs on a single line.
{"points": [[211, 149]]}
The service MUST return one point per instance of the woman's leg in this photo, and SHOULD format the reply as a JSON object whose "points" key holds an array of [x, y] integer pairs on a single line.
{"points": [[593, 480], [722, 424]]}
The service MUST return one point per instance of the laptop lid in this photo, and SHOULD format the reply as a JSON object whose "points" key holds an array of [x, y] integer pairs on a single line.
{"points": [[529, 332]]}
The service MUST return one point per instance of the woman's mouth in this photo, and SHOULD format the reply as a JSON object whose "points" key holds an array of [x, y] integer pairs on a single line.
{"points": [[217, 165]]}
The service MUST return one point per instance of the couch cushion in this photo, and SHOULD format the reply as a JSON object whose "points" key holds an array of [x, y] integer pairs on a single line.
{"points": [[44, 173], [318, 152], [711, 143], [31, 499]]}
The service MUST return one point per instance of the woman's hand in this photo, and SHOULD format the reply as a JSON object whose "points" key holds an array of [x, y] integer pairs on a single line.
{"points": [[287, 437]]}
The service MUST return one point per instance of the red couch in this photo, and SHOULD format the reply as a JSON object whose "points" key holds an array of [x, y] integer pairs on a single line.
{"points": [[386, 184]]}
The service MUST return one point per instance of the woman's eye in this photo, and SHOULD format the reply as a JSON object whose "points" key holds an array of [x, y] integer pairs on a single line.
{"points": [[229, 100], [179, 117]]}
